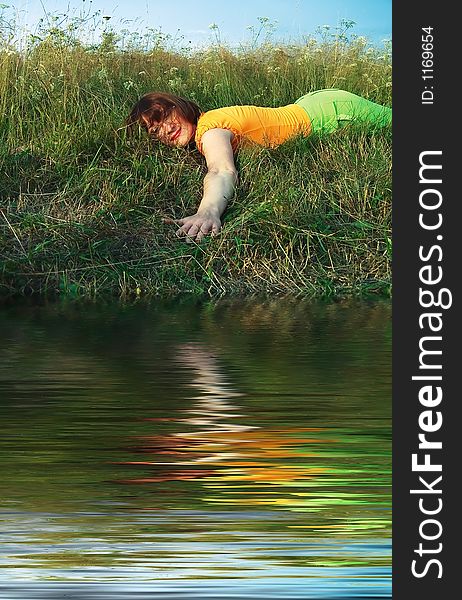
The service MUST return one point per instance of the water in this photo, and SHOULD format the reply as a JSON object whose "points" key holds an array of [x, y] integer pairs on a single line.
{"points": [[230, 450]]}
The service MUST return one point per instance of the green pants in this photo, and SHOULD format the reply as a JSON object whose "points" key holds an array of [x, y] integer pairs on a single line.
{"points": [[330, 109]]}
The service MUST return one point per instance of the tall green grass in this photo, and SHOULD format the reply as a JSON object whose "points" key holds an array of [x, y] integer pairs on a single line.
{"points": [[81, 205]]}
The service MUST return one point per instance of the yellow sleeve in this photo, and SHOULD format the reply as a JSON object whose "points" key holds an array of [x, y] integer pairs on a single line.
{"points": [[219, 118]]}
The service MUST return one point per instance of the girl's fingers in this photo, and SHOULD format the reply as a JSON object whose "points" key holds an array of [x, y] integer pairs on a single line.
{"points": [[205, 229], [193, 229], [186, 230], [183, 230]]}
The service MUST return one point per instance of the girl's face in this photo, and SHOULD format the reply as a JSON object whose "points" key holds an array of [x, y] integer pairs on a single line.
{"points": [[175, 130]]}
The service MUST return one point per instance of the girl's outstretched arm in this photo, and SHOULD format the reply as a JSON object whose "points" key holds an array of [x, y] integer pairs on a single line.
{"points": [[219, 184]]}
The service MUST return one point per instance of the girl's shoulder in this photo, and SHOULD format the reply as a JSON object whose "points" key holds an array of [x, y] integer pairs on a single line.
{"points": [[228, 117]]}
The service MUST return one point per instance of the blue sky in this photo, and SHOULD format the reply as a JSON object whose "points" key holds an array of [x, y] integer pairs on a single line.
{"points": [[294, 18]]}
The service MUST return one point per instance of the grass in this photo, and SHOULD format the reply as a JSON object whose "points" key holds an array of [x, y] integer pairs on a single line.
{"points": [[81, 206]]}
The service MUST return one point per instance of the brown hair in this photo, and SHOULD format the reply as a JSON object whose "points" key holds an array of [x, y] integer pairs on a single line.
{"points": [[156, 106]]}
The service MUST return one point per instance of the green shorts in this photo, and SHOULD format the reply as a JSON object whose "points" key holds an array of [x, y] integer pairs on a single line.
{"points": [[330, 109]]}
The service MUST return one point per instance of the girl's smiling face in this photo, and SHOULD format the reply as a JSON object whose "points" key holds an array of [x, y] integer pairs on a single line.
{"points": [[174, 130]]}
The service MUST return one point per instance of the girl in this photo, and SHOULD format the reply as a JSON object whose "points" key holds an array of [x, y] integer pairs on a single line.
{"points": [[219, 133]]}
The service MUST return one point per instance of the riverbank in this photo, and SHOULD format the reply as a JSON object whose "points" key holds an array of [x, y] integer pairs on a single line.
{"points": [[82, 206]]}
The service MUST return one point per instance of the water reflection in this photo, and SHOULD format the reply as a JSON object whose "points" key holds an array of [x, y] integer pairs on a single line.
{"points": [[212, 405], [178, 443], [237, 452]]}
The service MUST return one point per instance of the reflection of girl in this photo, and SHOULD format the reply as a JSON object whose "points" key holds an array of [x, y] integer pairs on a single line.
{"points": [[212, 412], [215, 394], [218, 133], [217, 446]]}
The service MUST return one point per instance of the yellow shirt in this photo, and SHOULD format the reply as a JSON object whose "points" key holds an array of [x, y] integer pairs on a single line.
{"points": [[268, 127]]}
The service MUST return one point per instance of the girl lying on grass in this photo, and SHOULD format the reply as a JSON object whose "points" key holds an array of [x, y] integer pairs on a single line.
{"points": [[219, 133]]}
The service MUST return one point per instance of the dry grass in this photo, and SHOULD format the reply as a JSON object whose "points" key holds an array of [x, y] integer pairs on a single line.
{"points": [[82, 207]]}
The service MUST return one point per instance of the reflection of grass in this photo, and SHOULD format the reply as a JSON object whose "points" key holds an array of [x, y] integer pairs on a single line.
{"points": [[319, 464], [200, 560], [101, 356], [82, 208], [74, 560]]}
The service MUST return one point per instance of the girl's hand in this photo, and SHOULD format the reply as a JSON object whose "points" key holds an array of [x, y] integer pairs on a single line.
{"points": [[197, 226], [218, 187]]}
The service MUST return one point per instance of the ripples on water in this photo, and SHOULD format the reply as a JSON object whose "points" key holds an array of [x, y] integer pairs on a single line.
{"points": [[231, 450]]}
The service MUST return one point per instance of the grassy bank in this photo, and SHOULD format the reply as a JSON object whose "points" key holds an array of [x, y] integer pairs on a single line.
{"points": [[81, 206]]}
